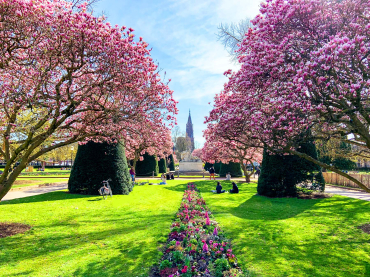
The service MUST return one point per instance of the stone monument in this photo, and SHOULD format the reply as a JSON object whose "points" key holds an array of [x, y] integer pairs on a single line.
{"points": [[188, 163]]}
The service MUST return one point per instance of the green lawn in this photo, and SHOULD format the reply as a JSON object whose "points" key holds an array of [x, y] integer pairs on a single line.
{"points": [[293, 237], [26, 182], [74, 235]]}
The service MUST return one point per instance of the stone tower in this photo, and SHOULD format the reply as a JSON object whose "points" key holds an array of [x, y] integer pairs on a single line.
{"points": [[189, 132]]}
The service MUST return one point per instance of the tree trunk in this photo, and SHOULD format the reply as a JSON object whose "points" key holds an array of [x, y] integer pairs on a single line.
{"points": [[332, 168], [247, 176], [7, 183]]}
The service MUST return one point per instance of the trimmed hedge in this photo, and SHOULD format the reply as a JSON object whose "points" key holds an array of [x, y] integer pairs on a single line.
{"points": [[96, 162], [162, 165], [234, 169], [171, 164], [217, 167], [207, 166], [147, 166]]}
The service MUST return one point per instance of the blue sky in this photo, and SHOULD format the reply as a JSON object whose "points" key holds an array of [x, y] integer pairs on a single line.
{"points": [[182, 34]]}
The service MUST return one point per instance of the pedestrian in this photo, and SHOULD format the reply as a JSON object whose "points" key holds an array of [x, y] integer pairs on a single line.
{"points": [[228, 176], [212, 173], [132, 173]]}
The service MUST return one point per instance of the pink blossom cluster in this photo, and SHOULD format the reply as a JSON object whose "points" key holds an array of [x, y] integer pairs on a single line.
{"points": [[304, 66]]}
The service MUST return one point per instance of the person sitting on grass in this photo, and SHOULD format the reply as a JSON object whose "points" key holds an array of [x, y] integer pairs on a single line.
{"points": [[228, 176], [235, 188], [219, 188], [163, 177]]}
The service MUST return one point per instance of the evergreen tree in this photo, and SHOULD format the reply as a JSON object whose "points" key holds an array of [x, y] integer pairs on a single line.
{"points": [[96, 162], [234, 169], [171, 164], [280, 174], [207, 166], [217, 167], [147, 166], [162, 165], [272, 181]]}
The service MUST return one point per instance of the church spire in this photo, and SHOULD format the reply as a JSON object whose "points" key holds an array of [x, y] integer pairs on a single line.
{"points": [[189, 131]]}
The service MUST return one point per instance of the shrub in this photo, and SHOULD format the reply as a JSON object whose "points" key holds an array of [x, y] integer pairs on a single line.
{"points": [[147, 166], [96, 162], [234, 169], [220, 266], [207, 166], [280, 174], [217, 167], [171, 164], [162, 166], [165, 264]]}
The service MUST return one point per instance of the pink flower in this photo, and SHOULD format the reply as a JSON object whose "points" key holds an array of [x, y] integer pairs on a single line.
{"points": [[185, 269], [205, 247]]}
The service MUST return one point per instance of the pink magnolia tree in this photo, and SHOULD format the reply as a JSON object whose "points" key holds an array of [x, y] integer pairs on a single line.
{"points": [[67, 76], [148, 138], [305, 66], [228, 143], [198, 153]]}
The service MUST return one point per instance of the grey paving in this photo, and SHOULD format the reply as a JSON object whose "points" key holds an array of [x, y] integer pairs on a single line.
{"points": [[348, 192], [31, 191]]}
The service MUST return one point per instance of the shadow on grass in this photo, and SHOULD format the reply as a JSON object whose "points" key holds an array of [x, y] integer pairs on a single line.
{"points": [[50, 196], [134, 255], [290, 236]]}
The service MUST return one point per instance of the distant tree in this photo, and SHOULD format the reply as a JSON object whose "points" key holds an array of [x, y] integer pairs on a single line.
{"points": [[231, 35], [96, 162], [182, 144]]}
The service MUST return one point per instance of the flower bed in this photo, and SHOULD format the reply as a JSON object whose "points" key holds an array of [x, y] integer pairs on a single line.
{"points": [[196, 246]]}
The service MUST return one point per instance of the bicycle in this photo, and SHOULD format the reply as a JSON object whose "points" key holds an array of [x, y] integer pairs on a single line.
{"points": [[106, 190]]}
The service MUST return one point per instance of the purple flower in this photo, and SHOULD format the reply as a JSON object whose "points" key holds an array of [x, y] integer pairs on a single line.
{"points": [[215, 232]]}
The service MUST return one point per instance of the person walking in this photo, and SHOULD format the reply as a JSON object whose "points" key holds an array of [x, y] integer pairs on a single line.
{"points": [[212, 173], [132, 173]]}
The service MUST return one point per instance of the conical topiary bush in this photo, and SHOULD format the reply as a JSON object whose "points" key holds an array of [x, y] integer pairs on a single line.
{"points": [[96, 162], [162, 165], [171, 164], [147, 166], [234, 169]]}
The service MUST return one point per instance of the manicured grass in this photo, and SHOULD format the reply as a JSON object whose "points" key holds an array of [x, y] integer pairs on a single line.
{"points": [[293, 237], [26, 182], [75, 235]]}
